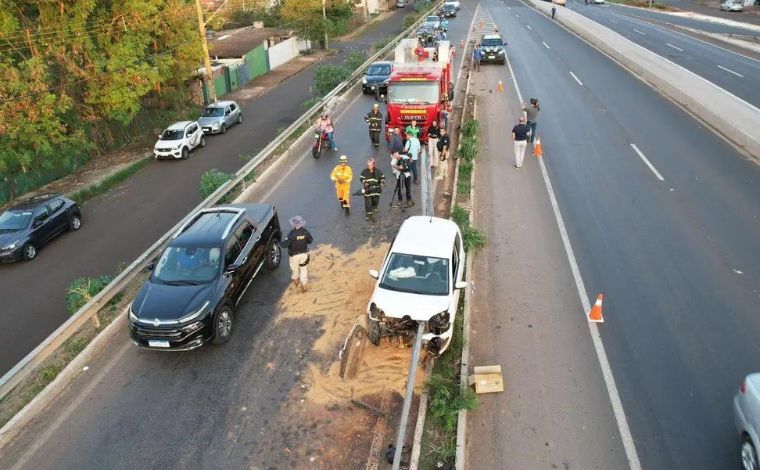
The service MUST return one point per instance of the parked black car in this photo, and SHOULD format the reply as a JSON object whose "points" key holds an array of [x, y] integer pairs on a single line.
{"points": [[31, 223], [376, 77], [198, 280]]}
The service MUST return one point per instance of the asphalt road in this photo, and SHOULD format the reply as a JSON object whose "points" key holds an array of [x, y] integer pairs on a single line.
{"points": [[122, 224], [234, 406], [738, 74], [707, 26], [677, 259]]}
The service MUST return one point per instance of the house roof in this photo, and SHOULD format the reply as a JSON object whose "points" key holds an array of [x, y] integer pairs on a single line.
{"points": [[238, 42]]}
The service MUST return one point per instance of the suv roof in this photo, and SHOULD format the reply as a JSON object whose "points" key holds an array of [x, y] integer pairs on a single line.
{"points": [[492, 36], [34, 201], [426, 236], [208, 226], [178, 126]]}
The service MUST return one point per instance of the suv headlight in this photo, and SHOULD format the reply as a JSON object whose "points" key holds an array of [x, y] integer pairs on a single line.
{"points": [[364, 81], [192, 327], [12, 246], [195, 315], [439, 323], [132, 316]]}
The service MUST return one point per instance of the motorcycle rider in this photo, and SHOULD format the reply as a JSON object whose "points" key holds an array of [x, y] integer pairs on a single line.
{"points": [[325, 124], [374, 119], [373, 181], [342, 176]]}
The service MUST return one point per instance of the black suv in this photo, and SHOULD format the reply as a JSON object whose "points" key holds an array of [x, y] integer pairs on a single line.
{"points": [[448, 11], [27, 225], [376, 77], [196, 283], [492, 49]]}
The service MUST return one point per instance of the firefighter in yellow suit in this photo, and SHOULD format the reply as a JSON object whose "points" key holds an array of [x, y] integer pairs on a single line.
{"points": [[342, 175]]}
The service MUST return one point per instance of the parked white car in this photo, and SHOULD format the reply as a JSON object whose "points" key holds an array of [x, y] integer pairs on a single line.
{"points": [[178, 140], [747, 420], [732, 5], [420, 280]]}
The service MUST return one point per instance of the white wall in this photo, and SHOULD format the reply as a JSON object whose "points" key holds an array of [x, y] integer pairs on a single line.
{"points": [[282, 52]]}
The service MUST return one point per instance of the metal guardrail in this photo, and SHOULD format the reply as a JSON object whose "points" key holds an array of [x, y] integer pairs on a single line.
{"points": [[24, 367]]}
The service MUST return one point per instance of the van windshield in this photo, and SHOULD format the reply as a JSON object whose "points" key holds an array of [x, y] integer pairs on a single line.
{"points": [[416, 275]]}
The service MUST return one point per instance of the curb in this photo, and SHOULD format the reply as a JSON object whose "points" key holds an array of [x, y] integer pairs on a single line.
{"points": [[68, 374]]}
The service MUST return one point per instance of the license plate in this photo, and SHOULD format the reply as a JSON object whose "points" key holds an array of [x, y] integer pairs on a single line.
{"points": [[158, 344], [491, 56], [372, 88]]}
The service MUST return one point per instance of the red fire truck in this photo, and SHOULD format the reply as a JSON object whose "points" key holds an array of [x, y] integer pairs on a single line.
{"points": [[419, 86]]}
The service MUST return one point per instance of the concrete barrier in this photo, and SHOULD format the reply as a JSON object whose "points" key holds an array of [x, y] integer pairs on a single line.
{"points": [[730, 116]]}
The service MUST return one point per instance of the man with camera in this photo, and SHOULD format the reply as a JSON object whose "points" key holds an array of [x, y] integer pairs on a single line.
{"points": [[400, 164]]}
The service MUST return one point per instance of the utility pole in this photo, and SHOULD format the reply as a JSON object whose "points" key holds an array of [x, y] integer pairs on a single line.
{"points": [[324, 16], [206, 59]]}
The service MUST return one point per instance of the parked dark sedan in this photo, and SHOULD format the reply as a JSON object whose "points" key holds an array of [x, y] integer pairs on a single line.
{"points": [[201, 276], [448, 11], [376, 77], [31, 223]]}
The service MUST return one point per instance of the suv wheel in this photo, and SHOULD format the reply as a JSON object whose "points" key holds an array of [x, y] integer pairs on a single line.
{"points": [[223, 325], [75, 223], [203, 141], [184, 153], [223, 129], [748, 454], [274, 253], [29, 251], [373, 331]]}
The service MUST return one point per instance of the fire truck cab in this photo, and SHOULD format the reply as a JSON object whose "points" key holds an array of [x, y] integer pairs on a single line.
{"points": [[419, 87]]}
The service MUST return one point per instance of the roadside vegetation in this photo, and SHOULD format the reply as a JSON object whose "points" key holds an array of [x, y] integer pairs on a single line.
{"points": [[110, 182], [644, 4]]}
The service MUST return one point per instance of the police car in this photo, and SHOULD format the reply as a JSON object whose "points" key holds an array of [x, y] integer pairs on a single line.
{"points": [[492, 49]]}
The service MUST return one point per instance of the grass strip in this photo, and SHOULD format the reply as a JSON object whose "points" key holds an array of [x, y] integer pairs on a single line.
{"points": [[109, 182]]}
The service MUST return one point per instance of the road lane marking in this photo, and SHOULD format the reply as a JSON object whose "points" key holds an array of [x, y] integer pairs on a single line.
{"points": [[576, 79], [649, 164], [516, 15], [674, 47], [545, 45], [528, 26], [640, 32], [609, 380], [614, 21], [731, 71]]}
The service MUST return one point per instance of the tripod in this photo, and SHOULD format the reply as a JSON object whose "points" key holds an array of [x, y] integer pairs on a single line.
{"points": [[400, 186]]}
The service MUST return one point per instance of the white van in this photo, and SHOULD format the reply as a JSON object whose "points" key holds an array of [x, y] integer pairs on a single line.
{"points": [[732, 5]]}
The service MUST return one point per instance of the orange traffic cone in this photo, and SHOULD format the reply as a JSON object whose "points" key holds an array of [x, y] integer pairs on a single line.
{"points": [[500, 86], [595, 315], [537, 152]]}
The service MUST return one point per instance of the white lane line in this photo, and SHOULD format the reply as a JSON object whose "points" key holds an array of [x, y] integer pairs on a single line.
{"points": [[528, 26], [731, 71], [649, 164], [576, 79], [509, 8], [674, 47], [516, 15], [609, 380], [613, 21], [545, 45], [640, 32]]}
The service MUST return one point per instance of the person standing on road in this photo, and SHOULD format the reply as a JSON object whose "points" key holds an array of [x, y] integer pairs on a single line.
{"points": [[342, 176], [434, 132], [396, 143], [374, 120], [476, 56], [372, 180], [412, 148], [443, 155], [297, 242], [412, 130], [520, 138], [532, 113], [400, 165], [325, 125], [554, 10]]}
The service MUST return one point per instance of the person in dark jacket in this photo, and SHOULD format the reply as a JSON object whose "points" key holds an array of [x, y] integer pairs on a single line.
{"points": [[372, 180], [396, 143], [374, 120], [297, 242]]}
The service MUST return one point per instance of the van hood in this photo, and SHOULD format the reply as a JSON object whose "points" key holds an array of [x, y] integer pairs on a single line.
{"points": [[418, 307]]}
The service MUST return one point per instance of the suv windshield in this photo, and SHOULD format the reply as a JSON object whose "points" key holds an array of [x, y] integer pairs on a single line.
{"points": [[491, 42], [431, 19], [413, 92], [187, 265], [416, 275], [379, 70], [172, 134], [13, 220], [213, 112]]}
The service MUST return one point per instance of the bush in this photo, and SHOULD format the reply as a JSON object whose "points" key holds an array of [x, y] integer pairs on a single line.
{"points": [[327, 77], [381, 43], [83, 289], [421, 6], [354, 59], [409, 20], [471, 128], [446, 398], [212, 180], [468, 148]]}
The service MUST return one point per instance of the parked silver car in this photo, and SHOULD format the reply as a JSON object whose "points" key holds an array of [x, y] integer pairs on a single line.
{"points": [[747, 419], [218, 117]]}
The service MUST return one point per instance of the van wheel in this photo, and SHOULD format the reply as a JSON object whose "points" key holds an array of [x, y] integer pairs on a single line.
{"points": [[75, 223], [30, 252], [223, 322], [274, 253], [373, 332]]}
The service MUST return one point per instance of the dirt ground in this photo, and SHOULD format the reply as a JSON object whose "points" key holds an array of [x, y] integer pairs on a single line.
{"points": [[327, 429]]}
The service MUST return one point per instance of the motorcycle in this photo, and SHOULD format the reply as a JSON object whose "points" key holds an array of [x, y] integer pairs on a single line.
{"points": [[320, 141]]}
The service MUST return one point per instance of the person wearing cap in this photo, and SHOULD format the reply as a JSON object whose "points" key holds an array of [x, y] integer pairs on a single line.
{"points": [[297, 242], [325, 125], [372, 180], [520, 138], [374, 120], [342, 175]]}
